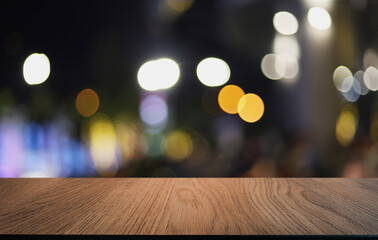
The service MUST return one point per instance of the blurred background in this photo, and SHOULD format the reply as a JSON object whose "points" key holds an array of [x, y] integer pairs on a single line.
{"points": [[175, 88]]}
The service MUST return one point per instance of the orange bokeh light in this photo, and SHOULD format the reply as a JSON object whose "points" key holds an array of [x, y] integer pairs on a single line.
{"points": [[87, 102], [229, 97]]}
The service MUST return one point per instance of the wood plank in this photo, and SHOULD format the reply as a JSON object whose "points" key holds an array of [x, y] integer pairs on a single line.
{"points": [[285, 206]]}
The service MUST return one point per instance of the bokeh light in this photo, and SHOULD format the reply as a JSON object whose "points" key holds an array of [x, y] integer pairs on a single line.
{"points": [[285, 23], [326, 4], [353, 94], [229, 97], [273, 66], [127, 137], [346, 125], [319, 18], [359, 76], [179, 5], [370, 59], [87, 102], [251, 108], [213, 72], [286, 45], [178, 145], [341, 80], [153, 111], [36, 68], [158, 74], [291, 66], [103, 144], [371, 78]]}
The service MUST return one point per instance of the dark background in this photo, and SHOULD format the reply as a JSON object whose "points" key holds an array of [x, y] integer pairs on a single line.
{"points": [[101, 45]]}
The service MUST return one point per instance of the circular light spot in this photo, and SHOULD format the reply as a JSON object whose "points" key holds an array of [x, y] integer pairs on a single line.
{"points": [[229, 97], [319, 18], [353, 94], [346, 125], [36, 68], [103, 144], [153, 111], [158, 74], [87, 102], [273, 66], [213, 72], [291, 66], [251, 107], [359, 76], [341, 74], [370, 59], [286, 45], [285, 23], [371, 78], [178, 145], [326, 4], [179, 5]]}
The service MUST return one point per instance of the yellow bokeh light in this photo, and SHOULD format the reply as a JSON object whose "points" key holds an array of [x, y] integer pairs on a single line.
{"points": [[127, 136], [229, 97], [346, 125], [178, 145], [251, 107], [179, 5], [103, 143], [87, 102]]}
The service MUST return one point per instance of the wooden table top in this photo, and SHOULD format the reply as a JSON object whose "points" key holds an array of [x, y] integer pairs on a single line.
{"points": [[284, 206]]}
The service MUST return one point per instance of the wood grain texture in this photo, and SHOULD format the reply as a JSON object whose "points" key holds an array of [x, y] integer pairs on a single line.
{"points": [[189, 206]]}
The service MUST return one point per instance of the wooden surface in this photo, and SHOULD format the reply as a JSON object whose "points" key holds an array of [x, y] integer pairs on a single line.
{"points": [[189, 206]]}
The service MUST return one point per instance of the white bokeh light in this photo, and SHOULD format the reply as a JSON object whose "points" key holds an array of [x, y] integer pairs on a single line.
{"points": [[342, 80], [286, 44], [158, 74], [326, 4], [371, 78], [273, 66], [319, 18], [291, 66], [370, 59], [359, 76], [213, 72], [36, 68], [285, 23]]}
